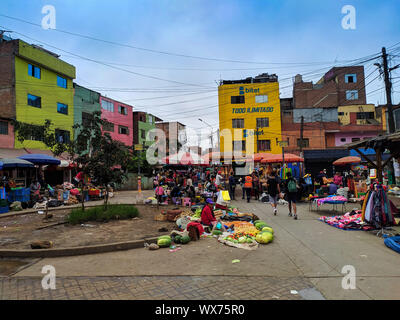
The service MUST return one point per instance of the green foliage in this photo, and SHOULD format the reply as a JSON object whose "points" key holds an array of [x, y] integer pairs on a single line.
{"points": [[100, 213], [95, 153]]}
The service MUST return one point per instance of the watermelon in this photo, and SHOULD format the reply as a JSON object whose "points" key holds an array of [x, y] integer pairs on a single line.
{"points": [[185, 239], [178, 239], [264, 237], [261, 225], [217, 232], [268, 229], [165, 237], [163, 242]]}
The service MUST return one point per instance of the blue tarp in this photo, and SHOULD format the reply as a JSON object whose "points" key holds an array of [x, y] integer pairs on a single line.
{"points": [[40, 159]]}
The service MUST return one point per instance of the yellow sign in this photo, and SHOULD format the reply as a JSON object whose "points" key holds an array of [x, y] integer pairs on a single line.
{"points": [[138, 147]]}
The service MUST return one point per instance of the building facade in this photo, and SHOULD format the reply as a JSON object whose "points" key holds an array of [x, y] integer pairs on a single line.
{"points": [[175, 135], [86, 102], [142, 123], [250, 108], [38, 86], [119, 120], [338, 87]]}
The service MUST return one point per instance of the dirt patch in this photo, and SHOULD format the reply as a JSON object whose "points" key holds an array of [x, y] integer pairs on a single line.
{"points": [[19, 231]]}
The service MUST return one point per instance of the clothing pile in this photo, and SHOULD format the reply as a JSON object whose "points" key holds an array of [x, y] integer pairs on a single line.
{"points": [[349, 221]]}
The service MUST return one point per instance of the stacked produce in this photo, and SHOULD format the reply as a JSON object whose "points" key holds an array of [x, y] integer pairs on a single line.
{"points": [[266, 233]]}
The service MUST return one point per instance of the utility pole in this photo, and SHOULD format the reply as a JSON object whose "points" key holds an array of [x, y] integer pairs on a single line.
{"points": [[301, 143], [389, 105], [388, 86]]}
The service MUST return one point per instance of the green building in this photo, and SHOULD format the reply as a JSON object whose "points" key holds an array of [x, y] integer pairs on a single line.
{"points": [[142, 123], [86, 102]]}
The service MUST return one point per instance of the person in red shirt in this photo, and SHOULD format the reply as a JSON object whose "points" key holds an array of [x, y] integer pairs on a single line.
{"points": [[207, 218]]}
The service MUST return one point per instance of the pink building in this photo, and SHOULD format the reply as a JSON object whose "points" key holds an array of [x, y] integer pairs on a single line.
{"points": [[119, 118], [6, 134], [351, 133]]}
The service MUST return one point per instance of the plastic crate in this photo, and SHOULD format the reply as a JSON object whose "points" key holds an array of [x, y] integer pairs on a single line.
{"points": [[21, 195], [3, 210]]}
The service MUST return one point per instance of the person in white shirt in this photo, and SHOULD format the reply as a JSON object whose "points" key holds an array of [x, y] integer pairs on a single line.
{"points": [[218, 179]]}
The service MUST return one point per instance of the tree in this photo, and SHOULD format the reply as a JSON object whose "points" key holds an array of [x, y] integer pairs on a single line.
{"points": [[97, 154]]}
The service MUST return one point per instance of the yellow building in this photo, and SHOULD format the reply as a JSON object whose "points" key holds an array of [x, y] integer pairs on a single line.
{"points": [[357, 114], [43, 90], [250, 108]]}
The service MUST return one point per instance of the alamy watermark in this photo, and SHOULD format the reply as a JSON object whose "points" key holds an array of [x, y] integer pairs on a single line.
{"points": [[49, 20], [349, 20], [49, 280], [349, 280]]}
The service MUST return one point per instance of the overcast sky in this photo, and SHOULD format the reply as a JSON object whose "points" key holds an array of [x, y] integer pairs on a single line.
{"points": [[282, 37]]}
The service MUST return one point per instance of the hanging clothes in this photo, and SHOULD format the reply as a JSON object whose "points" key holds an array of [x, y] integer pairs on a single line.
{"points": [[376, 208]]}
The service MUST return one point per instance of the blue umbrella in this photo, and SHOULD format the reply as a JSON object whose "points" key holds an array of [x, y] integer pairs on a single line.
{"points": [[40, 159], [15, 163]]}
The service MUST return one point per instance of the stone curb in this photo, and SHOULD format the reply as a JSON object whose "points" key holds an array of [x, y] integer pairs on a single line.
{"points": [[74, 251], [30, 211]]}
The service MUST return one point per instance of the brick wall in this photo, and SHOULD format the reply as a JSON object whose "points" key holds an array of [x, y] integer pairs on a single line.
{"points": [[7, 79], [330, 91]]}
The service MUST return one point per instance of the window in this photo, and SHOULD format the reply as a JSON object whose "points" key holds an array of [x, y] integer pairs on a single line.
{"points": [[123, 130], [262, 99], [143, 134], [142, 118], [340, 113], [62, 136], [34, 101], [264, 145], [36, 132], [342, 139], [62, 108], [355, 139], [306, 143], [108, 126], [4, 127], [239, 145], [237, 123], [262, 122], [86, 118], [237, 99], [365, 115], [34, 71], [150, 119], [352, 95], [61, 82], [350, 78], [122, 110], [107, 105]]}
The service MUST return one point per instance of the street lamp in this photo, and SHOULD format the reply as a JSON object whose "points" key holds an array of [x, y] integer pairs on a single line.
{"points": [[211, 136]]}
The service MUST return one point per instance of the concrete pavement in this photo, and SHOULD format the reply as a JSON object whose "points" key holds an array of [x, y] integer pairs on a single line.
{"points": [[304, 250]]}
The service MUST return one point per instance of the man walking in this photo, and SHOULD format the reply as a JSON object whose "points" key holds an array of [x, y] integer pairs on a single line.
{"points": [[291, 189]]}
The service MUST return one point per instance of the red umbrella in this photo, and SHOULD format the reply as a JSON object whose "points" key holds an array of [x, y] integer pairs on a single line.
{"points": [[275, 158], [346, 160]]}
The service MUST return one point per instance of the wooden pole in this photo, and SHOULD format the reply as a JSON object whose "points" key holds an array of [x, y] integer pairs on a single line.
{"points": [[379, 165]]}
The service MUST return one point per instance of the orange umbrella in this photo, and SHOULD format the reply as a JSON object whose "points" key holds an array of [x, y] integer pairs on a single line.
{"points": [[346, 160]]}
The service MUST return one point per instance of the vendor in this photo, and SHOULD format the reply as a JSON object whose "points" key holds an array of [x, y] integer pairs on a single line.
{"points": [[338, 179], [78, 178], [35, 188], [207, 217]]}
